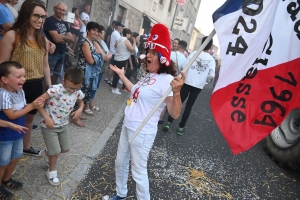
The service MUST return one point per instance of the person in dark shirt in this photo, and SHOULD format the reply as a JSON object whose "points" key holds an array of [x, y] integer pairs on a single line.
{"points": [[108, 33], [58, 32]]}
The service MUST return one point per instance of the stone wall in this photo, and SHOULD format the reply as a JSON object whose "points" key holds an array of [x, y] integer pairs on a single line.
{"points": [[80, 4], [102, 11], [134, 19]]}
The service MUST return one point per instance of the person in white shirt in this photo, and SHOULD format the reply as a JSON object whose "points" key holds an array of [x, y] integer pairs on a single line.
{"points": [[203, 68], [144, 96], [85, 18], [115, 36], [178, 56], [179, 60], [123, 51]]}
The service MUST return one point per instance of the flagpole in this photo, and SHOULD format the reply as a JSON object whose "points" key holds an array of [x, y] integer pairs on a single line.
{"points": [[187, 66]]}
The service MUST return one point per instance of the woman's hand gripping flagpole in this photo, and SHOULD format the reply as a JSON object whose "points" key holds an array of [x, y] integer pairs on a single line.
{"points": [[187, 66]]}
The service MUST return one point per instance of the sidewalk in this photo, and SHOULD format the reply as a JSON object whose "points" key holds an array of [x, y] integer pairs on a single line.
{"points": [[86, 144]]}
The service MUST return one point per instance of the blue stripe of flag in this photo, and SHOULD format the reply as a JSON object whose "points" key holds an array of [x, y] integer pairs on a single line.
{"points": [[229, 6]]}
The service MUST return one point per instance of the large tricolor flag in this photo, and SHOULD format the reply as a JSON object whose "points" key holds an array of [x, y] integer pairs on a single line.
{"points": [[259, 82]]}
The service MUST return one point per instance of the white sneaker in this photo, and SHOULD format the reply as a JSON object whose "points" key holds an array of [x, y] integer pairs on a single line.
{"points": [[46, 158], [116, 91], [120, 82], [52, 177]]}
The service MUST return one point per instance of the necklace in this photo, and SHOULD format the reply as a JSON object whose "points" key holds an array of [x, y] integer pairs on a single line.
{"points": [[148, 80]]}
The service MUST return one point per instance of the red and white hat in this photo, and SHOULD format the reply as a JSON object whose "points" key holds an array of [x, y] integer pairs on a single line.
{"points": [[159, 40]]}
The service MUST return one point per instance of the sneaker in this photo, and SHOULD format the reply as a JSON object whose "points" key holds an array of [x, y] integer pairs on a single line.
{"points": [[167, 126], [180, 131], [32, 151], [116, 91], [108, 83], [120, 82], [114, 197], [34, 127], [44, 155], [125, 90], [52, 177]]}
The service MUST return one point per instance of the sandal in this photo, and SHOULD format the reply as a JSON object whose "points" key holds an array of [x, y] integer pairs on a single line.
{"points": [[96, 108], [78, 123], [12, 184], [4, 194], [88, 112]]}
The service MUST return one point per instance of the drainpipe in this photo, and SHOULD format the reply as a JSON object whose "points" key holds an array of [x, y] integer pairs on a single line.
{"points": [[115, 10], [174, 17], [109, 19]]}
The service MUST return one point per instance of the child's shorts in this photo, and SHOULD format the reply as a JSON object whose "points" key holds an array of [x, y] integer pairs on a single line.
{"points": [[56, 139], [10, 150]]}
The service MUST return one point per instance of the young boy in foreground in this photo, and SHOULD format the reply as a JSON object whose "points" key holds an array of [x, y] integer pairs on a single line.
{"points": [[12, 121], [60, 99]]}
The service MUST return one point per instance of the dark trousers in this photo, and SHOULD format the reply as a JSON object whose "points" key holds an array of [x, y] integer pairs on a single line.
{"points": [[192, 94], [119, 64]]}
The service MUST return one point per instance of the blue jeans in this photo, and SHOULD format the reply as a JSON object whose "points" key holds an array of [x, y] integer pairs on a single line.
{"points": [[56, 63], [93, 92], [10, 150]]}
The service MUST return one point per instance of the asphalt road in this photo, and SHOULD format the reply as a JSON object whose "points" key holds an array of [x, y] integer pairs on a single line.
{"points": [[197, 165]]}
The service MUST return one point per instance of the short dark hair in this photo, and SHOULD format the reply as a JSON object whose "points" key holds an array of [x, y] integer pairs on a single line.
{"points": [[74, 75], [135, 34], [74, 9], [182, 44], [101, 28], [177, 39], [126, 31], [6, 66], [209, 43], [92, 25]]}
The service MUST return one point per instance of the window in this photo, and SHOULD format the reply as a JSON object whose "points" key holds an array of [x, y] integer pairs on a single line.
{"points": [[121, 13], [170, 6], [154, 6], [161, 2]]}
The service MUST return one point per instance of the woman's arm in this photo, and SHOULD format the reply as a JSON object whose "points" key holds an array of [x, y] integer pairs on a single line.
{"points": [[130, 47], [87, 53], [130, 63], [120, 72], [174, 103], [7, 46], [46, 68], [100, 51]]}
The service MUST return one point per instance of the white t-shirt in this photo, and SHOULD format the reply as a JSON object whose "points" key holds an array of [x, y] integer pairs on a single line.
{"points": [[60, 104], [115, 36], [181, 60], [84, 16], [200, 70], [148, 95]]}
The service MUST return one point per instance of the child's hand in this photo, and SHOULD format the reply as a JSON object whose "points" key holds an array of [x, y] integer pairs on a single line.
{"points": [[49, 122], [38, 103], [20, 129], [76, 115]]}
